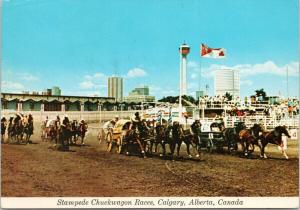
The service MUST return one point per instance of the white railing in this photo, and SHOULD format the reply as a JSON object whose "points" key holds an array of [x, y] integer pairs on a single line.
{"points": [[268, 122], [89, 116]]}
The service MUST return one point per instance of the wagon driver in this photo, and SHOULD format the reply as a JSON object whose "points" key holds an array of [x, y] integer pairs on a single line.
{"points": [[136, 123], [3, 128]]}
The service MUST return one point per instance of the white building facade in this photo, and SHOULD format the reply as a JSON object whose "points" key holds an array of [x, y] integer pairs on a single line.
{"points": [[115, 88], [227, 81]]}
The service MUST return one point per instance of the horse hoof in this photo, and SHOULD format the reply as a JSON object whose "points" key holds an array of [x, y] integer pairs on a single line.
{"points": [[197, 156], [160, 155]]}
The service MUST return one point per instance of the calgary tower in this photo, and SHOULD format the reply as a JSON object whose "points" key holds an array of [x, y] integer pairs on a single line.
{"points": [[184, 51]]}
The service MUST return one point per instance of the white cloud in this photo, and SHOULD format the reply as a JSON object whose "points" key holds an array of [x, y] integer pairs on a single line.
{"points": [[136, 72], [86, 85], [194, 75], [28, 77], [11, 86], [246, 82], [95, 81], [169, 93], [154, 89], [97, 76], [268, 67]]}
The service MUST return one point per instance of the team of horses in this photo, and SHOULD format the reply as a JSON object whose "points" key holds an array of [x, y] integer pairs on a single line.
{"points": [[148, 138], [66, 133], [175, 134], [19, 128]]}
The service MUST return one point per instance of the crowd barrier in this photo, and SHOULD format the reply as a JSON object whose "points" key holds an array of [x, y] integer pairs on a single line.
{"points": [[101, 116], [89, 116]]}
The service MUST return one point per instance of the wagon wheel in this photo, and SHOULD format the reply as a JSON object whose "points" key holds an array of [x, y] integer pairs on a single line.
{"points": [[109, 142], [43, 137], [100, 136], [210, 145], [148, 147], [119, 144]]}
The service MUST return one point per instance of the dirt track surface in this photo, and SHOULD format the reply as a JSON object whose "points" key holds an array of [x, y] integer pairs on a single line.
{"points": [[36, 170]]}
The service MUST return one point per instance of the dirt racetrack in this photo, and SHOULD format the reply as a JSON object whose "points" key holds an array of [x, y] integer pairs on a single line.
{"points": [[36, 170]]}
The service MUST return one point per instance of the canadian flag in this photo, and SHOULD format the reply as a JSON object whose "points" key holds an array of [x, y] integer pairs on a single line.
{"points": [[212, 52]]}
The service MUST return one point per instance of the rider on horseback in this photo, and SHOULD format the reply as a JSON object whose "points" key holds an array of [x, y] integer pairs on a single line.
{"points": [[65, 130], [116, 119], [28, 127], [196, 130], [135, 129], [83, 129], [3, 128]]}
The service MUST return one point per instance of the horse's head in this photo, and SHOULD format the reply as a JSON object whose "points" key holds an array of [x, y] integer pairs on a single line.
{"points": [[256, 129], [240, 126], [197, 124], [177, 130], [279, 130]]}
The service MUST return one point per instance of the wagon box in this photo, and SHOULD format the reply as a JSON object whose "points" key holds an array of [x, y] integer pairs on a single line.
{"points": [[115, 134], [212, 140]]}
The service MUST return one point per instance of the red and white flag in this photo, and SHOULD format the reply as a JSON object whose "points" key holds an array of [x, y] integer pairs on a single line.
{"points": [[212, 52]]}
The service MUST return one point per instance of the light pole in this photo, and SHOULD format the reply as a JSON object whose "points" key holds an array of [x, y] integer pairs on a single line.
{"points": [[121, 108], [100, 107]]}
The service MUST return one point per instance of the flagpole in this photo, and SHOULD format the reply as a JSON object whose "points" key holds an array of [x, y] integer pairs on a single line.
{"points": [[287, 82], [200, 73], [200, 83], [201, 106]]}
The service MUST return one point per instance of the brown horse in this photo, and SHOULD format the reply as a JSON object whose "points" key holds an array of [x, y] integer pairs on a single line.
{"points": [[179, 135], [273, 137], [134, 136], [160, 138], [249, 137], [3, 128], [82, 130]]}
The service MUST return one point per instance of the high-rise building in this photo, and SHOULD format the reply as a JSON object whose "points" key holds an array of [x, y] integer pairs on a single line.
{"points": [[115, 88], [199, 93], [140, 91], [56, 91], [140, 94], [47, 92], [227, 81]]}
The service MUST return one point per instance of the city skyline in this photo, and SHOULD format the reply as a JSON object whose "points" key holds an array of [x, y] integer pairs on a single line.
{"points": [[78, 50]]}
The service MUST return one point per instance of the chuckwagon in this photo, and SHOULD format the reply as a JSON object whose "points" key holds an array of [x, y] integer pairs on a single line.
{"points": [[128, 141], [49, 130], [212, 138], [212, 141], [115, 135]]}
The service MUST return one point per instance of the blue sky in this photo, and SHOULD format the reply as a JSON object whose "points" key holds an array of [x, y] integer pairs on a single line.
{"points": [[77, 44]]}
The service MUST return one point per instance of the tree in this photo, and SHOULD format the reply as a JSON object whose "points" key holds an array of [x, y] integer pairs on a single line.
{"points": [[169, 99], [261, 92], [189, 98], [228, 96], [175, 99]]}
